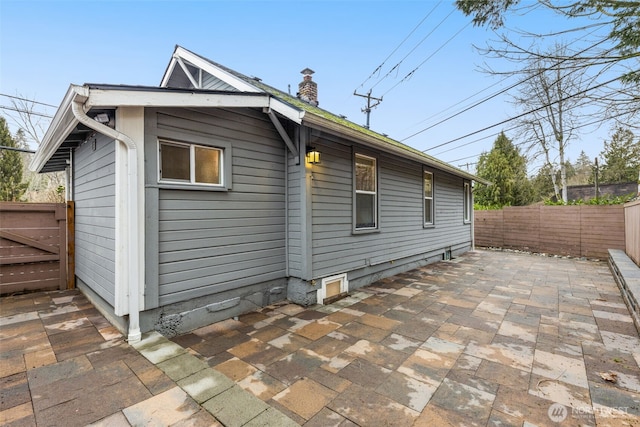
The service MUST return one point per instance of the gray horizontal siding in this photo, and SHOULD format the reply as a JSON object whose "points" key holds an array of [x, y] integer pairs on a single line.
{"points": [[213, 83], [401, 232], [94, 196], [294, 227], [214, 241]]}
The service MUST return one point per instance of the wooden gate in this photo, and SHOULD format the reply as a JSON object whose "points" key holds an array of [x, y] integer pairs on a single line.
{"points": [[33, 247]]}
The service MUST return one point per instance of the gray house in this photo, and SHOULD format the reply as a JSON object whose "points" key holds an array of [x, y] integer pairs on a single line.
{"points": [[215, 194]]}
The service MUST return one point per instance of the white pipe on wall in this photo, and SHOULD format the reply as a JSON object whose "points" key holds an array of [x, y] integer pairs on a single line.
{"points": [[77, 106]]}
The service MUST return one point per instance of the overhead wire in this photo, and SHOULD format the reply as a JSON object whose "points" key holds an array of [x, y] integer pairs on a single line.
{"points": [[475, 140], [463, 100], [395, 67], [519, 116], [428, 58], [399, 45], [20, 110], [27, 100], [519, 144], [488, 98]]}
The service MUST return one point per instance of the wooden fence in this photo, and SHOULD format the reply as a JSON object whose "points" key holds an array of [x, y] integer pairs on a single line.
{"points": [[586, 231], [632, 230], [33, 247]]}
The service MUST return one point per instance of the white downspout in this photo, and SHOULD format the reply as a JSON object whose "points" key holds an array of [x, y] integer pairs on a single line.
{"points": [[77, 107]]}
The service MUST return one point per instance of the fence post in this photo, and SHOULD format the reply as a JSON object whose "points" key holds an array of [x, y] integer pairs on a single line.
{"points": [[71, 245], [60, 214]]}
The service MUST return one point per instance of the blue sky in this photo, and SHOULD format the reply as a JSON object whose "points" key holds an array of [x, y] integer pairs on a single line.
{"points": [[47, 45]]}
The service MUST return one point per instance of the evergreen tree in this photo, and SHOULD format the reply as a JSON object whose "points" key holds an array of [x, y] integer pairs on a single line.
{"points": [[11, 167], [583, 168], [621, 158], [543, 185], [506, 168]]}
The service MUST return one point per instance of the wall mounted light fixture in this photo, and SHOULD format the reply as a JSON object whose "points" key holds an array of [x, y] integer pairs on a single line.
{"points": [[312, 156]]}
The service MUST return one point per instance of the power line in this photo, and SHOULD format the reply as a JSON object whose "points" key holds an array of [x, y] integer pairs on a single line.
{"points": [[519, 116], [428, 58], [463, 100], [411, 51], [19, 110], [474, 141], [401, 43], [499, 92], [519, 144], [28, 100]]}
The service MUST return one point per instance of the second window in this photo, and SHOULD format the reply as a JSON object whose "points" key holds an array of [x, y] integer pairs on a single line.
{"points": [[428, 198], [366, 192]]}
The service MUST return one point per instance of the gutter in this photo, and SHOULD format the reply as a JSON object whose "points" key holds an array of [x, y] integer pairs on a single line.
{"points": [[77, 107]]}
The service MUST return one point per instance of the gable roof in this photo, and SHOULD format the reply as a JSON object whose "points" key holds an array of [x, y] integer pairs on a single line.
{"points": [[191, 80], [67, 131], [185, 62]]}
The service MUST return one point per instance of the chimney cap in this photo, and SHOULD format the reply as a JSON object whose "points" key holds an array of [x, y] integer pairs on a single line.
{"points": [[307, 71]]}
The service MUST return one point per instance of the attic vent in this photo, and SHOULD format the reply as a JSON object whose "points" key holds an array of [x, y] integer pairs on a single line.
{"points": [[308, 89]]}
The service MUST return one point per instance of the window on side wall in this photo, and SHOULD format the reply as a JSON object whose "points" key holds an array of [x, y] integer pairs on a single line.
{"points": [[467, 202], [366, 193], [428, 198], [192, 164]]}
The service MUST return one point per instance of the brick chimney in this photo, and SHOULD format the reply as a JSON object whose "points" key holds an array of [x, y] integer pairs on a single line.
{"points": [[308, 89]]}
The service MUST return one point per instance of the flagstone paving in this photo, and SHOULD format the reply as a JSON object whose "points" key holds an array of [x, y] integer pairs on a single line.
{"points": [[490, 338]]}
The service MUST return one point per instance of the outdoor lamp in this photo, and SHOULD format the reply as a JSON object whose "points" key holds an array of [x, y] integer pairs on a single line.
{"points": [[313, 156]]}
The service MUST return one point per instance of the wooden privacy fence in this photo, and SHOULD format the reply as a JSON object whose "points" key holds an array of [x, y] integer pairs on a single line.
{"points": [[632, 230], [33, 247], [586, 231]]}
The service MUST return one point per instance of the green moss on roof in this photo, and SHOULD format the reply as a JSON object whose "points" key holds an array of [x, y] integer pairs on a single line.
{"points": [[311, 109], [298, 103]]}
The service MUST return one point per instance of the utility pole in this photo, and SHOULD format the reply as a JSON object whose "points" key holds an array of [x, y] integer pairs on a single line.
{"points": [[369, 105]]}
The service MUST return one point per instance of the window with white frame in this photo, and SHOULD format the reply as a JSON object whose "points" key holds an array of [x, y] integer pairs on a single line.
{"points": [[366, 189], [428, 198], [467, 202], [183, 163]]}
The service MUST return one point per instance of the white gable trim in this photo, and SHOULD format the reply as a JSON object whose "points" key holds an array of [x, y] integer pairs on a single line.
{"points": [[162, 98], [225, 76], [195, 84]]}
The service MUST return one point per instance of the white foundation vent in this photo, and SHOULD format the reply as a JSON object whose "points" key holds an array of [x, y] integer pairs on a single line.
{"points": [[333, 288]]}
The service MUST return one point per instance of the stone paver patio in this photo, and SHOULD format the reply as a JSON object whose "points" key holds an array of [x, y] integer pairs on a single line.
{"points": [[491, 338]]}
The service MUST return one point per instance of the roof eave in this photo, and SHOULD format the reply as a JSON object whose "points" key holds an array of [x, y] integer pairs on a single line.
{"points": [[64, 121], [61, 126], [314, 120], [160, 98]]}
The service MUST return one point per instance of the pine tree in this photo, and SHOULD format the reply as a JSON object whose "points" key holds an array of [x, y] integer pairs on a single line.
{"points": [[506, 168], [11, 167], [621, 158], [584, 172]]}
